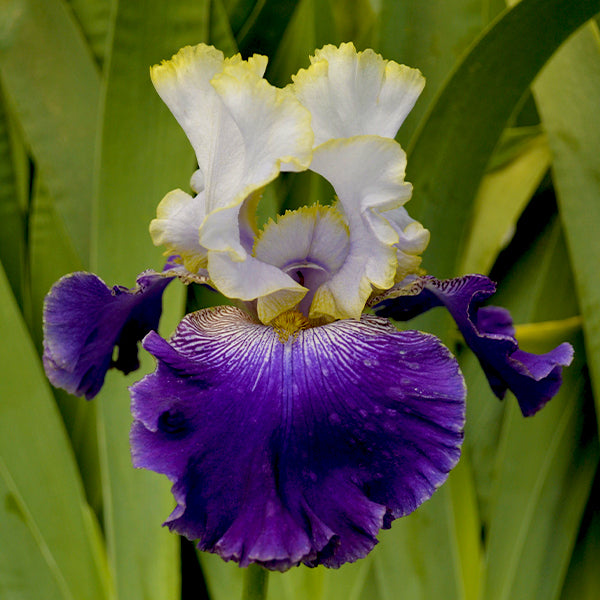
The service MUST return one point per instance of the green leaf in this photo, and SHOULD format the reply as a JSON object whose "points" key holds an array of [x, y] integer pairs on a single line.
{"points": [[321, 583], [264, 26], [568, 95], [238, 12], [583, 578], [537, 337], [354, 20], [311, 27], [221, 35], [449, 154], [503, 195], [224, 581], [13, 242], [525, 290], [543, 466], [94, 19], [53, 84], [542, 491], [431, 36], [143, 155], [49, 545], [51, 255]]}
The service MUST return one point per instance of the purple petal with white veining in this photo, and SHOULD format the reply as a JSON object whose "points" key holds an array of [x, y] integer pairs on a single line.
{"points": [[83, 322], [489, 332], [300, 451]]}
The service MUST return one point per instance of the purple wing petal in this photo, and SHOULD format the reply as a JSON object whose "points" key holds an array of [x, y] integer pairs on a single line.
{"points": [[83, 322], [296, 451], [489, 332]]}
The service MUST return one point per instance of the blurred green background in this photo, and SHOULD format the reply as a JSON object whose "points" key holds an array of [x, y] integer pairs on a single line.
{"points": [[504, 154]]}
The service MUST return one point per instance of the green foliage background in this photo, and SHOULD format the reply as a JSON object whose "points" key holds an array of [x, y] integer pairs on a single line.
{"points": [[504, 154]]}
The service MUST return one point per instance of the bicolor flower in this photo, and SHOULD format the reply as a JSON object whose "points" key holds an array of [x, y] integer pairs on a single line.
{"points": [[294, 427]]}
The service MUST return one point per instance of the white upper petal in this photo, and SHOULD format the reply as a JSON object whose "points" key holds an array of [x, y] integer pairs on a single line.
{"points": [[367, 173], [178, 219], [352, 93], [413, 239], [243, 130]]}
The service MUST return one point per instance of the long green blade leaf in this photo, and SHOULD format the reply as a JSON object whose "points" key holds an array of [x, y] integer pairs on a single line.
{"points": [[49, 547], [429, 35], [143, 155], [52, 81], [450, 152], [51, 255], [544, 466], [12, 216], [503, 195], [94, 17], [568, 96], [583, 578]]}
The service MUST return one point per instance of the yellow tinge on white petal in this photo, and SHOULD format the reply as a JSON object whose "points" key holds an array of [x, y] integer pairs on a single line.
{"points": [[311, 234], [244, 132], [178, 219], [273, 134], [183, 83], [351, 93], [309, 244], [323, 262], [412, 242], [367, 173], [252, 279]]}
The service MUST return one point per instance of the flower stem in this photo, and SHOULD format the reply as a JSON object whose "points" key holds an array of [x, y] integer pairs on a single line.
{"points": [[255, 583]]}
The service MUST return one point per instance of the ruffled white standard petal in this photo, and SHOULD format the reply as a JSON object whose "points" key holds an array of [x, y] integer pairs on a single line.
{"points": [[367, 173], [352, 93], [413, 239], [243, 130], [178, 220]]}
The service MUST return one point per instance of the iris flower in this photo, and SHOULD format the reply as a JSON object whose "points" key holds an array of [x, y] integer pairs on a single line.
{"points": [[294, 426]]}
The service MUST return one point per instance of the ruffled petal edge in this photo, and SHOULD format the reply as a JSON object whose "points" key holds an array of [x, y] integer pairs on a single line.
{"points": [[488, 331]]}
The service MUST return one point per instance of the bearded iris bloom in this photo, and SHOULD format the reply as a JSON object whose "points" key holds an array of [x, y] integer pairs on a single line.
{"points": [[293, 427]]}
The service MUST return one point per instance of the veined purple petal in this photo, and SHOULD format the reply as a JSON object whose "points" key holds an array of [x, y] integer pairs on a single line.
{"points": [[83, 322], [297, 451], [534, 379]]}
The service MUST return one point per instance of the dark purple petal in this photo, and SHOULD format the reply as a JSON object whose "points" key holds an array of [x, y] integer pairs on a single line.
{"points": [[83, 322], [489, 332], [296, 451]]}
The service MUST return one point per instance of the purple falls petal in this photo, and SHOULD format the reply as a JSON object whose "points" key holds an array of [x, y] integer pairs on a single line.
{"points": [[489, 332], [300, 451], [83, 322]]}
